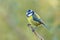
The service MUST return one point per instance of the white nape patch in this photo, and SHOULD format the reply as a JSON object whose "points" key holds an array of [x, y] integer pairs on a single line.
{"points": [[30, 14]]}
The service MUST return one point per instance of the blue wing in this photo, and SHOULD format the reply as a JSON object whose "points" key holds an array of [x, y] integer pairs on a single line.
{"points": [[35, 18]]}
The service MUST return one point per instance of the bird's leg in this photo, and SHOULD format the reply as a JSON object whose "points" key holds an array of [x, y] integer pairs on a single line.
{"points": [[33, 29]]}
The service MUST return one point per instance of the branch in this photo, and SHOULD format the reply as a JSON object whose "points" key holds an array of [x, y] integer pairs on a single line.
{"points": [[33, 30]]}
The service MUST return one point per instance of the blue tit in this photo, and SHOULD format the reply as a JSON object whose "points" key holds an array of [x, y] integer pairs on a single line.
{"points": [[34, 18]]}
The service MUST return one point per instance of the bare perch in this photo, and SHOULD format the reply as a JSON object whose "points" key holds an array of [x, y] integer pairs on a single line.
{"points": [[33, 30]]}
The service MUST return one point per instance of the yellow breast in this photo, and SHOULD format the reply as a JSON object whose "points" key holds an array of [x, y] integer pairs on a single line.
{"points": [[31, 21]]}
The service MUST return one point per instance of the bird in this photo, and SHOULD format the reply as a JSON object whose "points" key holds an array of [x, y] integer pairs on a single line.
{"points": [[33, 18]]}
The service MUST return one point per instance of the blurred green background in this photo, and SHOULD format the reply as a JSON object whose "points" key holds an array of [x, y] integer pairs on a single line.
{"points": [[13, 22]]}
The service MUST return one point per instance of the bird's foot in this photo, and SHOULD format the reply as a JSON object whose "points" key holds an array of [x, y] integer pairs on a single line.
{"points": [[29, 25]]}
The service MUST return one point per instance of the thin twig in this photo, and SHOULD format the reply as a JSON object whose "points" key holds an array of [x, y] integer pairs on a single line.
{"points": [[33, 30]]}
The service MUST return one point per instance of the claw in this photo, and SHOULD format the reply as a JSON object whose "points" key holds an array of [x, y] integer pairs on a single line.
{"points": [[29, 24]]}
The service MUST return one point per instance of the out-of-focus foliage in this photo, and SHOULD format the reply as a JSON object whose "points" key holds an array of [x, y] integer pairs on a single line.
{"points": [[13, 22]]}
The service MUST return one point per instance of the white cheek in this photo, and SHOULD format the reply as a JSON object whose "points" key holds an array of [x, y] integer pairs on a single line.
{"points": [[30, 14]]}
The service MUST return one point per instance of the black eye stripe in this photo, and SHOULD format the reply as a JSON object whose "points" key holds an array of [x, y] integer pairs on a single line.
{"points": [[29, 13]]}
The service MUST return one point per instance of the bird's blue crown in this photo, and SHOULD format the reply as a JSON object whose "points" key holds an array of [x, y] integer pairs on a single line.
{"points": [[29, 13]]}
